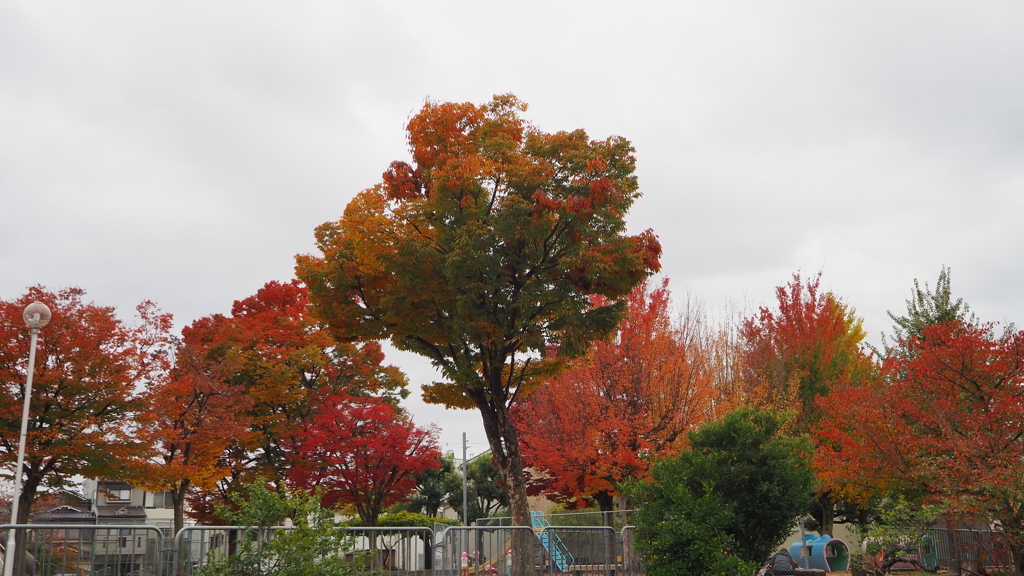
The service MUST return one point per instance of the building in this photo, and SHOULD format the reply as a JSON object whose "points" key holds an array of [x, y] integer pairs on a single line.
{"points": [[98, 550]]}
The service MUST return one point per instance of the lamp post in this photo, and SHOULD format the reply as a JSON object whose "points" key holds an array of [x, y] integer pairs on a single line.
{"points": [[36, 316]]}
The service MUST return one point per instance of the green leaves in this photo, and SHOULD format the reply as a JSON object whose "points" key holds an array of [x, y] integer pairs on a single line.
{"points": [[314, 546], [483, 256], [724, 505]]}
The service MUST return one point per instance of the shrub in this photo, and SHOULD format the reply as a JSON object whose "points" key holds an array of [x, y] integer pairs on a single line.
{"points": [[723, 506]]}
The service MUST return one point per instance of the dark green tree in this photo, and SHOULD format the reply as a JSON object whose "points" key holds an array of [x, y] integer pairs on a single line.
{"points": [[435, 488], [485, 493], [725, 504]]}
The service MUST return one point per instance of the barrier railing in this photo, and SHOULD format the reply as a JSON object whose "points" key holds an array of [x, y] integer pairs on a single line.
{"points": [[404, 549], [93, 550], [141, 550]]}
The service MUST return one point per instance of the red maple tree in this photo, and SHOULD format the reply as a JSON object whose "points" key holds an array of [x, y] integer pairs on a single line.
{"points": [[945, 423], [797, 352], [196, 417], [284, 361], [363, 452], [86, 405], [634, 396]]}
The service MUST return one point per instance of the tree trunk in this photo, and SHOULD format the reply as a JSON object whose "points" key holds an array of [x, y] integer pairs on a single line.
{"points": [[828, 514], [503, 439], [178, 500], [25, 500], [606, 503]]}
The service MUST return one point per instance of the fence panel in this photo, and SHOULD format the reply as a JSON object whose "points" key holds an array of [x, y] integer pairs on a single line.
{"points": [[406, 549], [135, 550], [974, 546], [484, 550], [632, 565], [93, 550], [583, 550]]}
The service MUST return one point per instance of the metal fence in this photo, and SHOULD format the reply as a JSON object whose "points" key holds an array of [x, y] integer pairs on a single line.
{"points": [[136, 550], [550, 550], [980, 546], [92, 550], [393, 549]]}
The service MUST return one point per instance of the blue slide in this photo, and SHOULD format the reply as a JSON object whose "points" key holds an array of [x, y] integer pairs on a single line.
{"points": [[551, 542]]}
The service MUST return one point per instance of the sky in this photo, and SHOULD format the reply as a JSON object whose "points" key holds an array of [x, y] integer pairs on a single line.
{"points": [[183, 152]]}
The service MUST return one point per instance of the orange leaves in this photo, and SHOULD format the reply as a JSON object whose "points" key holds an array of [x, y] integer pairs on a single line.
{"points": [[491, 267], [85, 405], [634, 397], [442, 130], [199, 417], [944, 422]]}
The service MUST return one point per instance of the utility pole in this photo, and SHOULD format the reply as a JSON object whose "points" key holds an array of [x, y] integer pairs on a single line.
{"points": [[465, 485]]}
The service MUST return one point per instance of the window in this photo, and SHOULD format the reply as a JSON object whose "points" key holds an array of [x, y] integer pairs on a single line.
{"points": [[119, 494], [162, 500]]}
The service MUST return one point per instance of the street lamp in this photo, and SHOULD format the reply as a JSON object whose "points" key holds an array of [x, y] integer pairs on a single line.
{"points": [[36, 316]]}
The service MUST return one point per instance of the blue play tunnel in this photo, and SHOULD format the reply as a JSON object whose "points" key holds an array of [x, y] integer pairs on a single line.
{"points": [[821, 552]]}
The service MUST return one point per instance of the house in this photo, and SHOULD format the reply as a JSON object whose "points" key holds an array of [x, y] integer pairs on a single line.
{"points": [[113, 551], [121, 503]]}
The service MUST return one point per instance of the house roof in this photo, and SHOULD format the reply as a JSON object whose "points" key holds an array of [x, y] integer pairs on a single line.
{"points": [[64, 514], [107, 512]]}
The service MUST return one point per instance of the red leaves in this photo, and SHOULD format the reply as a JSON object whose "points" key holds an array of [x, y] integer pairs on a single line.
{"points": [[365, 453], [946, 421], [595, 426], [89, 368], [800, 351], [280, 361], [402, 182]]}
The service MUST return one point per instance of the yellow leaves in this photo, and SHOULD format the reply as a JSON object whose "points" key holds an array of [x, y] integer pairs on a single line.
{"points": [[448, 394]]}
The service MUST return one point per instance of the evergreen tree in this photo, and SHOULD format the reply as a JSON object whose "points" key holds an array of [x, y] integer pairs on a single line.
{"points": [[927, 308], [435, 488], [723, 506]]}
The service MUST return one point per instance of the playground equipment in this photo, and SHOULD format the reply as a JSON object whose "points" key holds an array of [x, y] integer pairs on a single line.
{"points": [[926, 553], [821, 552], [554, 546]]}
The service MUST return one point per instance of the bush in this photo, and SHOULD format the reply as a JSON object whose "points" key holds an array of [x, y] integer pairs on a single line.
{"points": [[723, 506], [315, 546]]}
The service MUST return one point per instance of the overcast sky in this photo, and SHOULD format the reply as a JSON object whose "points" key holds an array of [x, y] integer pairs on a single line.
{"points": [[183, 152]]}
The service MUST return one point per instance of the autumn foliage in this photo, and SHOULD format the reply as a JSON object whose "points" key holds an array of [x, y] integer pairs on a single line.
{"points": [[633, 397], [195, 418], [944, 424], [363, 452], [797, 352], [483, 253], [86, 405], [271, 352]]}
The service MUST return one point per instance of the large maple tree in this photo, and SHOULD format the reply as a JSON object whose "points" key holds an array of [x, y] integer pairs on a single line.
{"points": [[284, 361], [86, 405], [633, 397], [195, 418], [363, 452], [798, 352], [944, 423], [482, 254]]}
